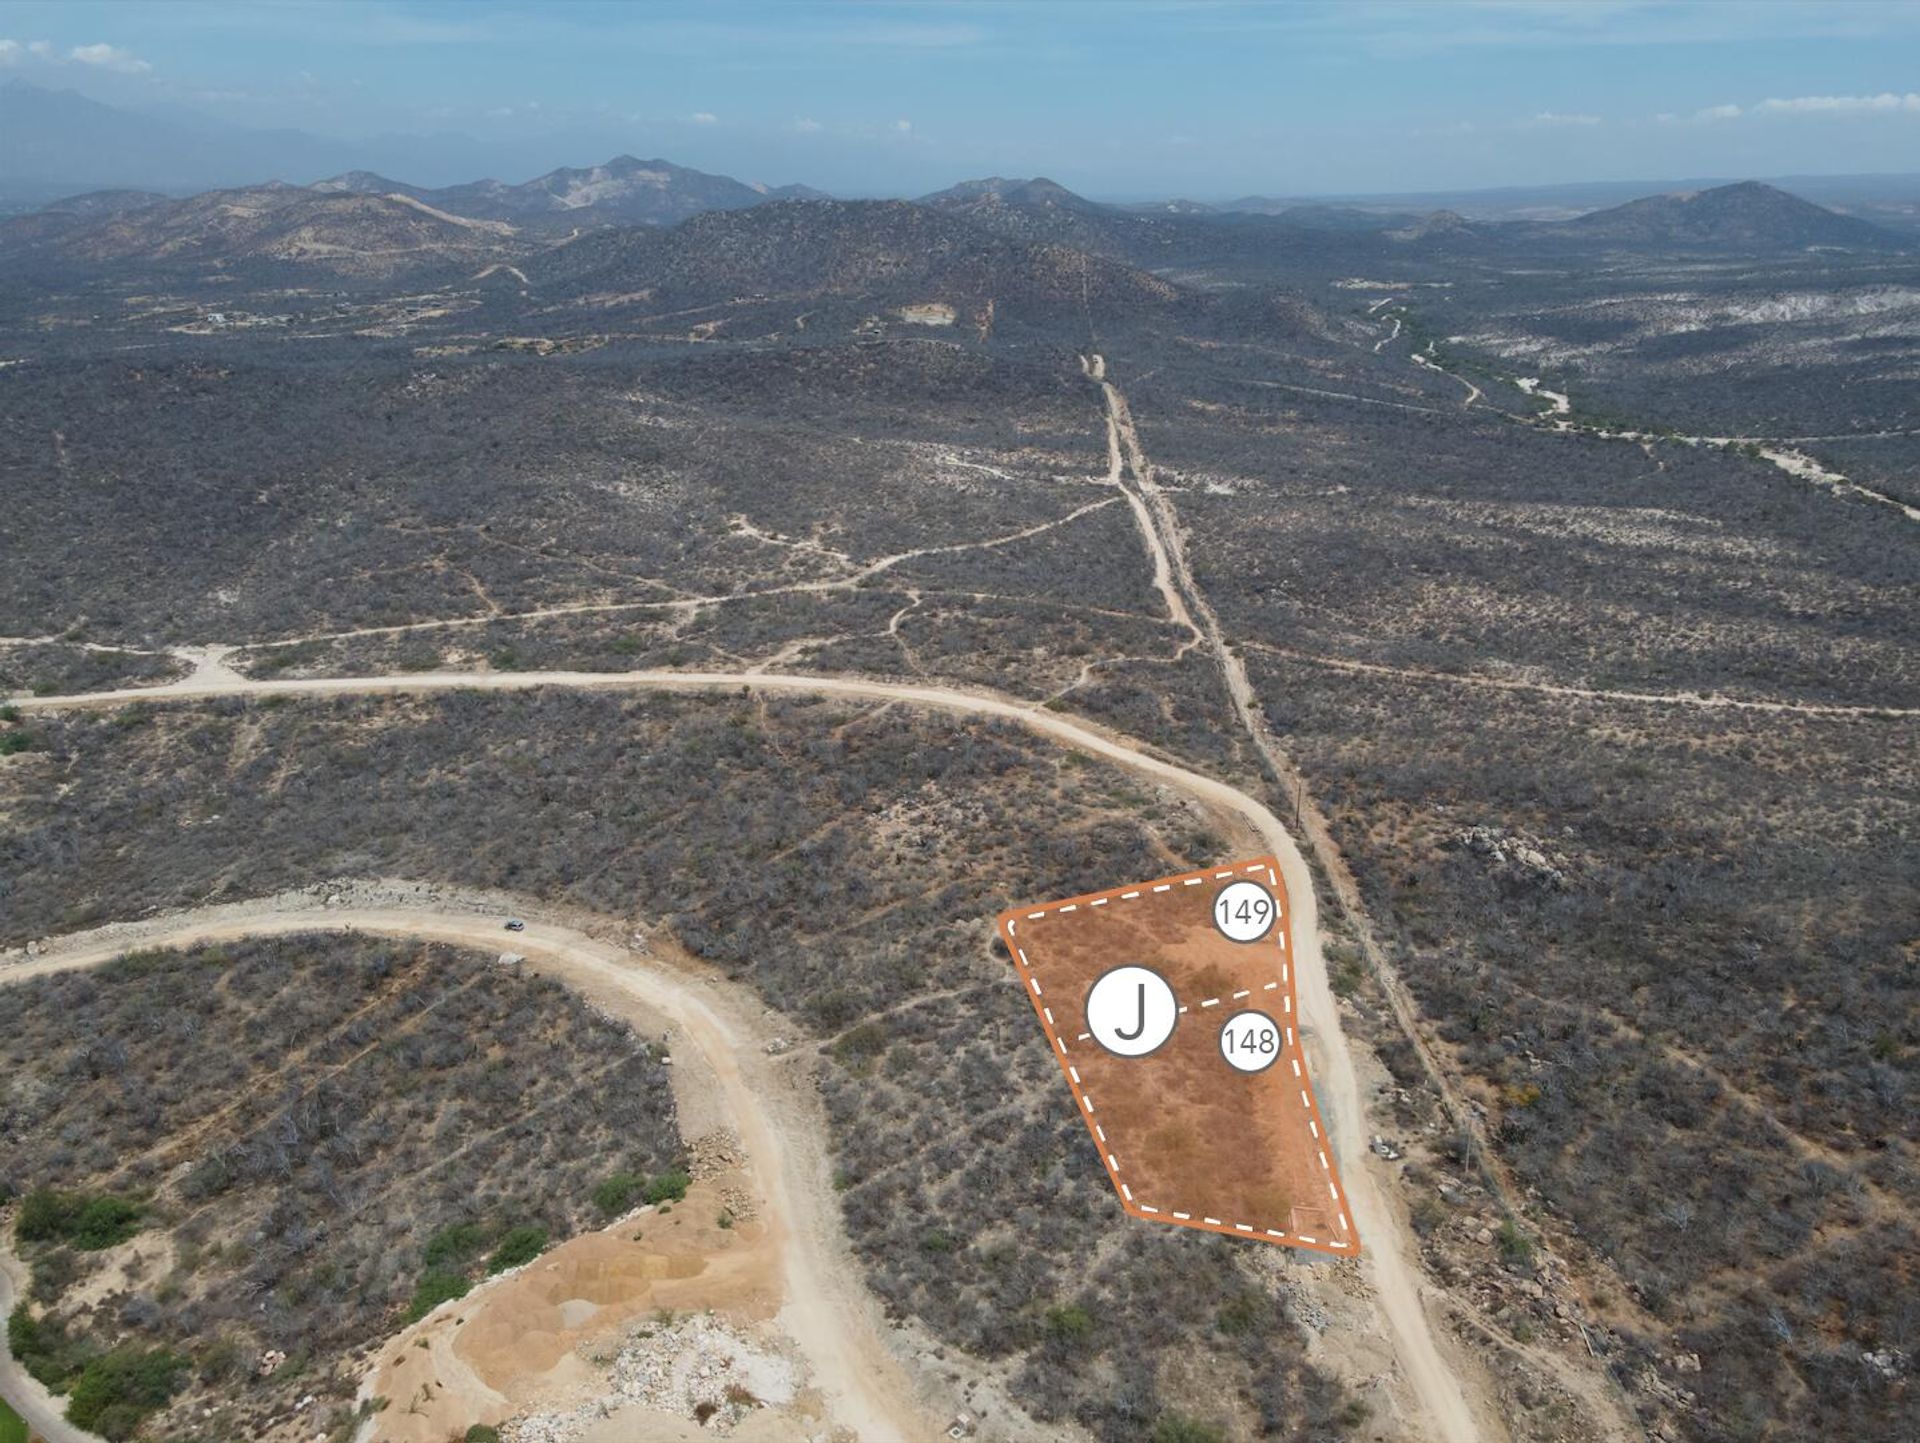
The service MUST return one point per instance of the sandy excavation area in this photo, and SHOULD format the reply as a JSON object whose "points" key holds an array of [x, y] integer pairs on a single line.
{"points": [[661, 1326]]}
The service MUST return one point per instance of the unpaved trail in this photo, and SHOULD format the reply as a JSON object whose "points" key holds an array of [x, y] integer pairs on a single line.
{"points": [[1392, 335], [1389, 1260], [1433, 1398], [1351, 396], [214, 657], [827, 1311], [1705, 701], [1424, 360], [1095, 367], [1560, 403], [1779, 453]]}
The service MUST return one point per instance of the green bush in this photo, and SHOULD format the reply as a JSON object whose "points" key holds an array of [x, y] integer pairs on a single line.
{"points": [[668, 1187], [89, 1222], [1068, 1322], [45, 1350], [1515, 1246], [105, 1222], [118, 1389], [1176, 1428], [616, 1194], [454, 1244], [481, 1433], [435, 1287], [12, 1429], [44, 1215], [1245, 1313], [861, 1045], [520, 1245]]}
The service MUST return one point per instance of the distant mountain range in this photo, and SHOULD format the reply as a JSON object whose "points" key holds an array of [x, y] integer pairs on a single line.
{"points": [[359, 223], [58, 142], [1745, 217], [624, 191], [343, 234]]}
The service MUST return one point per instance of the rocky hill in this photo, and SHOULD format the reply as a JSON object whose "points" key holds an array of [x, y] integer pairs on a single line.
{"points": [[342, 234], [1749, 216], [884, 252], [1037, 193], [624, 191], [1047, 213]]}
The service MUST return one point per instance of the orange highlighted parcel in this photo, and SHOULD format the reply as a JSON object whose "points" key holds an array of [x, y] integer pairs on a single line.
{"points": [[1211, 1124]]}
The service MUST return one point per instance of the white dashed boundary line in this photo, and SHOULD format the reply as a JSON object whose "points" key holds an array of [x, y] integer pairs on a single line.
{"points": [[1011, 924]]}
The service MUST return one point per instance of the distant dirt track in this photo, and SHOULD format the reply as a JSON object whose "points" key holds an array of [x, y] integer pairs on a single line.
{"points": [[1436, 1397]]}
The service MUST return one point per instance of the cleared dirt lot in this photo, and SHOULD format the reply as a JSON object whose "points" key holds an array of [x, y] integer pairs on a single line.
{"points": [[1186, 1138]]}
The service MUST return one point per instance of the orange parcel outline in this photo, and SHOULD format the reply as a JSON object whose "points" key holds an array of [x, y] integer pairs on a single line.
{"points": [[1292, 1053]]}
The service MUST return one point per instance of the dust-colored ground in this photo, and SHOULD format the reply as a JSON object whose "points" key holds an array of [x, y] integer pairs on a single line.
{"points": [[528, 1340], [1185, 1137], [1394, 1339], [724, 1076]]}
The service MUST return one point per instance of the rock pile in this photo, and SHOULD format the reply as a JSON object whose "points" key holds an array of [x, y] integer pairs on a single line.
{"points": [[1516, 857], [695, 1367]]}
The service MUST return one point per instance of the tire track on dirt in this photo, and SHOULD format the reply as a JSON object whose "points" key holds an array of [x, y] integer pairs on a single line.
{"points": [[1437, 1403], [833, 1321]]}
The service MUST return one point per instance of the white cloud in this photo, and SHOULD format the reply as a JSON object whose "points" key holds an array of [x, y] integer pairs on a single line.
{"points": [[11, 51], [905, 127], [1840, 104], [1550, 117], [808, 127], [705, 117], [109, 57], [42, 48], [1886, 103]]}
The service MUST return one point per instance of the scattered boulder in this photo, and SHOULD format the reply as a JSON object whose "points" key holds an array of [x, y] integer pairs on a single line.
{"points": [[1515, 857]]}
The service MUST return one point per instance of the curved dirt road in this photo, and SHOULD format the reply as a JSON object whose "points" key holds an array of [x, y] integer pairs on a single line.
{"points": [[1433, 1397], [827, 1311], [42, 1411]]}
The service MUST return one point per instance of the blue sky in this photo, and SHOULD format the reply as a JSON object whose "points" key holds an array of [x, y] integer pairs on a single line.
{"points": [[1119, 100]]}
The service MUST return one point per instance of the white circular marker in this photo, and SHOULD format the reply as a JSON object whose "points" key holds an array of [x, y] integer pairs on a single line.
{"points": [[1250, 1042], [1244, 911], [1131, 1011]]}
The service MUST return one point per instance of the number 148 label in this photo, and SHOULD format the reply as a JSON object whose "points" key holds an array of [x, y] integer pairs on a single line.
{"points": [[1250, 1041]]}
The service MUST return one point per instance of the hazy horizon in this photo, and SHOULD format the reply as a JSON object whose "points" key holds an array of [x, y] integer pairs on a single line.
{"points": [[1208, 101]]}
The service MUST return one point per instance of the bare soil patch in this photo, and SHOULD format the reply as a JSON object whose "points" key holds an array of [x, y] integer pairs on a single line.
{"points": [[1187, 1138]]}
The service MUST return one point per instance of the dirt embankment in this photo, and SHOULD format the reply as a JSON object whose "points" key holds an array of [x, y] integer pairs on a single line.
{"points": [[794, 1264]]}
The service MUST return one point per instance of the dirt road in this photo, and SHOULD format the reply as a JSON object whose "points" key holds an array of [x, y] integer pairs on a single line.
{"points": [[827, 1312], [1433, 1398], [1433, 1382], [44, 1414]]}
